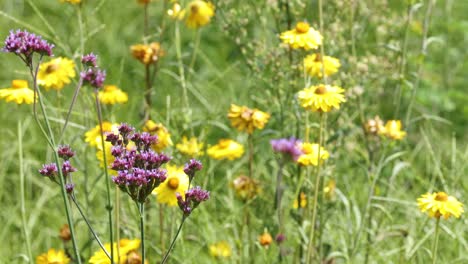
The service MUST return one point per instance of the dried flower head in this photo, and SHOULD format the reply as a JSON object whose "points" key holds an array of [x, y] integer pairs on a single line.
{"points": [[440, 204], [302, 36], [246, 188], [64, 233], [374, 126], [265, 239], [19, 93], [321, 98], [246, 119], [147, 53]]}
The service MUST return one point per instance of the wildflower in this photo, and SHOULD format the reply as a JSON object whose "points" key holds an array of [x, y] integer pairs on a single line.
{"points": [[329, 190], [176, 12], [288, 147], [192, 167], [49, 170], [111, 94], [176, 182], [94, 77], [190, 147], [192, 199], [440, 204], [19, 93], [89, 60], [301, 201], [65, 152], [138, 169], [100, 155], [53, 257], [199, 13], [310, 156], [393, 130], [64, 233], [321, 98], [303, 36], [374, 126], [74, 2], [226, 149], [25, 44], [246, 188], [280, 238], [147, 53], [69, 187], [313, 65], [127, 250], [56, 73], [221, 249], [93, 136], [244, 118], [164, 137], [265, 239]]}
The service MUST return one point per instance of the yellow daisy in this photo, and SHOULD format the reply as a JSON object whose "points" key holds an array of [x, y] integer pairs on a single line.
{"points": [[321, 98], [303, 36], [393, 130], [191, 147], [313, 65], [127, 248], [310, 156], [111, 94], [199, 13], [221, 249], [164, 137], [19, 93], [226, 149], [53, 257], [244, 118], [147, 53], [56, 73], [303, 201], [75, 2], [92, 136], [100, 155], [440, 204], [176, 182]]}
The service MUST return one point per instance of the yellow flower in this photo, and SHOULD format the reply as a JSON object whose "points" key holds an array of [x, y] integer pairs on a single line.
{"points": [[75, 2], [321, 98], [313, 65], [440, 204], [56, 73], [164, 137], [93, 136], [53, 257], [303, 201], [190, 147], [127, 248], [329, 190], [176, 182], [310, 156], [199, 13], [176, 12], [393, 130], [246, 188], [265, 239], [374, 126], [100, 155], [111, 94], [303, 36], [221, 249], [244, 118], [18, 93], [147, 53], [226, 149]]}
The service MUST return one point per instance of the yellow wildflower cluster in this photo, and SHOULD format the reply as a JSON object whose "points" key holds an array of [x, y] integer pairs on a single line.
{"points": [[56, 73], [226, 149], [191, 148], [176, 182], [440, 204], [221, 249], [199, 13], [321, 98], [244, 118], [147, 53], [302, 36], [19, 93], [111, 94], [313, 65], [127, 252]]}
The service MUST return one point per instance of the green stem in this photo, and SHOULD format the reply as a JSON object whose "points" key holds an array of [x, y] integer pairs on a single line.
{"points": [[141, 207], [436, 242], [22, 194], [166, 256], [251, 156], [195, 49]]}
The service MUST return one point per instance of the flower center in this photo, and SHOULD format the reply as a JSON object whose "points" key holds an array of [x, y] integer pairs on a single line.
{"points": [[173, 183], [441, 197], [247, 114], [17, 84], [110, 88], [318, 58], [194, 8], [51, 68], [321, 89], [302, 27]]}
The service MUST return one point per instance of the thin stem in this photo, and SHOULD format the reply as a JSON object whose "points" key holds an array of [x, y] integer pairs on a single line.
{"points": [[89, 226], [195, 49], [145, 21], [75, 96], [436, 242], [251, 155], [148, 92], [22, 194], [141, 207], [117, 220], [106, 174], [161, 228], [166, 256]]}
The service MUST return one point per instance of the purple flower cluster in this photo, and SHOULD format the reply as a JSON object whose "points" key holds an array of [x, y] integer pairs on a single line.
{"points": [[138, 169], [192, 167], [289, 147], [65, 152], [25, 44], [89, 60], [92, 75], [51, 170], [192, 199]]}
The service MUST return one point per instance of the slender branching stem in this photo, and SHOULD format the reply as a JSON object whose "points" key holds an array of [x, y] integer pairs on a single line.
{"points": [[72, 104], [141, 208], [166, 256], [436, 241]]}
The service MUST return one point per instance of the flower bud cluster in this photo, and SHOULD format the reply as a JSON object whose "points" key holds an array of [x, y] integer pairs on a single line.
{"points": [[138, 168], [25, 44], [92, 74], [51, 170], [289, 147], [192, 199]]}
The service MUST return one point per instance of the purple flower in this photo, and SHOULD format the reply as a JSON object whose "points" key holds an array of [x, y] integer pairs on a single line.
{"points": [[193, 198], [280, 238], [94, 76], [289, 147], [65, 152], [192, 167], [89, 60], [69, 187], [49, 170], [67, 168], [25, 44]]}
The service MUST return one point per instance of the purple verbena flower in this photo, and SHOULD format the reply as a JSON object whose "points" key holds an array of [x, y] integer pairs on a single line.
{"points": [[25, 44], [49, 170], [193, 198], [65, 152], [192, 167], [280, 238], [89, 60], [94, 77], [67, 168], [69, 187], [289, 147]]}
